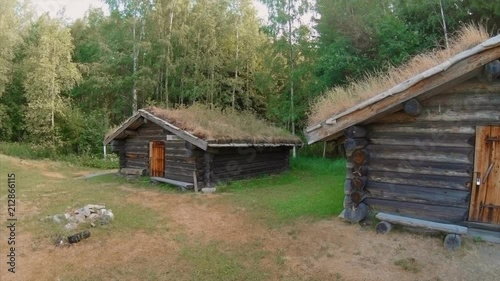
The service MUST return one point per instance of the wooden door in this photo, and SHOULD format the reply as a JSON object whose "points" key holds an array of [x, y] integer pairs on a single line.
{"points": [[485, 198], [157, 159]]}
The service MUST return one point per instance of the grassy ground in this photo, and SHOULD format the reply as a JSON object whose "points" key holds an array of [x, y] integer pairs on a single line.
{"points": [[26, 151], [304, 191], [271, 228]]}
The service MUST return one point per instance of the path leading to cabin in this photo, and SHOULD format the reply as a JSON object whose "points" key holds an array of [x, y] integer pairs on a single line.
{"points": [[166, 235]]}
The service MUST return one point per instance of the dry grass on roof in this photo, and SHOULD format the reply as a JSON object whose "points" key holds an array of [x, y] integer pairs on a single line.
{"points": [[223, 126], [342, 98]]}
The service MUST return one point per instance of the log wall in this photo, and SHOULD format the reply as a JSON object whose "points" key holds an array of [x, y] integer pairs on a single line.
{"points": [[422, 166], [237, 163], [179, 165]]}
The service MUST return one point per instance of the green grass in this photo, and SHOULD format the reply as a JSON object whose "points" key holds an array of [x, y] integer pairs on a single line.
{"points": [[313, 188], [27, 151]]}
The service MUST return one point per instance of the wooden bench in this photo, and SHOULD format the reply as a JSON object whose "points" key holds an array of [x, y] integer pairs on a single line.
{"points": [[452, 241]]}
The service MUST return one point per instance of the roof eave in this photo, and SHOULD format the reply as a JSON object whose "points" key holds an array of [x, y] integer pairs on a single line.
{"points": [[459, 68]]}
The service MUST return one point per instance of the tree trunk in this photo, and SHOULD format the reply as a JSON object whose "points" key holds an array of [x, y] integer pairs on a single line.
{"points": [[168, 62], [236, 67], [445, 29], [291, 72], [135, 57]]}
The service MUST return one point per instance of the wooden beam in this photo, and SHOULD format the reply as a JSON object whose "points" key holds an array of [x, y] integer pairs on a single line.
{"points": [[122, 128], [176, 131], [447, 228], [412, 107], [458, 69], [131, 133], [355, 132]]}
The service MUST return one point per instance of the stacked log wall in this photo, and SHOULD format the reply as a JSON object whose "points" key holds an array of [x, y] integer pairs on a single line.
{"points": [[134, 153], [422, 166], [237, 163]]}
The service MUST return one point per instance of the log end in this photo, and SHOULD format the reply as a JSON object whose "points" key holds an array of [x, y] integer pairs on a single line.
{"points": [[383, 227], [355, 215], [452, 242]]}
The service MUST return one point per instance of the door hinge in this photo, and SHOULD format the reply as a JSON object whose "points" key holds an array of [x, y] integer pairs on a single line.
{"points": [[492, 139]]}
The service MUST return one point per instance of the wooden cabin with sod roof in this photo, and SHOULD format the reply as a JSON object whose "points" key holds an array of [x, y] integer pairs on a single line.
{"points": [[423, 141], [198, 147]]}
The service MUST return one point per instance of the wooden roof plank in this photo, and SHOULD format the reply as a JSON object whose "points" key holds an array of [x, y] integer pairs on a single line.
{"points": [[122, 128], [176, 131]]}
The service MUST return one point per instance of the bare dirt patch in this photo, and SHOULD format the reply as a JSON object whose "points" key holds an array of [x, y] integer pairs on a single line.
{"points": [[327, 249]]}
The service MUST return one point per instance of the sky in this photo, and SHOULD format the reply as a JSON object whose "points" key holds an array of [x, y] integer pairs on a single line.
{"points": [[76, 8]]}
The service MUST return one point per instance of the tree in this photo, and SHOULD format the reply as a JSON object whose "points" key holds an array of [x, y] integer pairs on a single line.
{"points": [[49, 73]]}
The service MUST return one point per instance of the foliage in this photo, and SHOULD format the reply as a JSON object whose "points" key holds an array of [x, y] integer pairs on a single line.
{"points": [[217, 53], [49, 73], [29, 151]]}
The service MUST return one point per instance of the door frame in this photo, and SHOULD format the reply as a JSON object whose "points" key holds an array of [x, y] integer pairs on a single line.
{"points": [[481, 167], [153, 161]]}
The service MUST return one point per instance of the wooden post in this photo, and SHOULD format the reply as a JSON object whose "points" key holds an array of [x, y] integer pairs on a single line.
{"points": [[324, 149], [195, 181], [104, 150]]}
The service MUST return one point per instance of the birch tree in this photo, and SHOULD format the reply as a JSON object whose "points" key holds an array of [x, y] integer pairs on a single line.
{"points": [[50, 73]]}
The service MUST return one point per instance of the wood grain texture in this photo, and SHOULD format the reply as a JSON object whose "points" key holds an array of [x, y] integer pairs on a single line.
{"points": [[485, 204]]}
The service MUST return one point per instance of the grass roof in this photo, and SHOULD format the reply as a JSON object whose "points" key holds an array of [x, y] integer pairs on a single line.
{"points": [[342, 98], [223, 126]]}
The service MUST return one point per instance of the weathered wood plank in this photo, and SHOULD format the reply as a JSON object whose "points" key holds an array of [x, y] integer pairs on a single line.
{"points": [[418, 194], [409, 153], [417, 210], [447, 228], [460, 183], [355, 132], [417, 167], [419, 139]]}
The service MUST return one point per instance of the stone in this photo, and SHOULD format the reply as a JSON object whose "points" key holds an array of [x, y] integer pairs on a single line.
{"points": [[208, 189], [71, 226], [95, 207], [85, 211], [67, 215], [58, 218], [93, 216], [109, 215], [80, 218]]}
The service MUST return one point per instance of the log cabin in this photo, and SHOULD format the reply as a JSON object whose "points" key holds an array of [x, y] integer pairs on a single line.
{"points": [[426, 146], [198, 147]]}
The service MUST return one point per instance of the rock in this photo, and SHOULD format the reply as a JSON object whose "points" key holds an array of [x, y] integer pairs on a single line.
{"points": [[67, 215], [80, 218], [95, 207], [208, 189], [85, 211], [71, 226], [72, 219], [109, 215], [93, 217], [101, 212], [58, 218]]}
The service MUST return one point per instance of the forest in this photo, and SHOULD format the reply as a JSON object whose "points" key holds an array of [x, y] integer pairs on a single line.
{"points": [[64, 84]]}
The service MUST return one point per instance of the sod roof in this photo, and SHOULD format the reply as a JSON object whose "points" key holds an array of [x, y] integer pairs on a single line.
{"points": [[214, 126], [341, 98]]}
